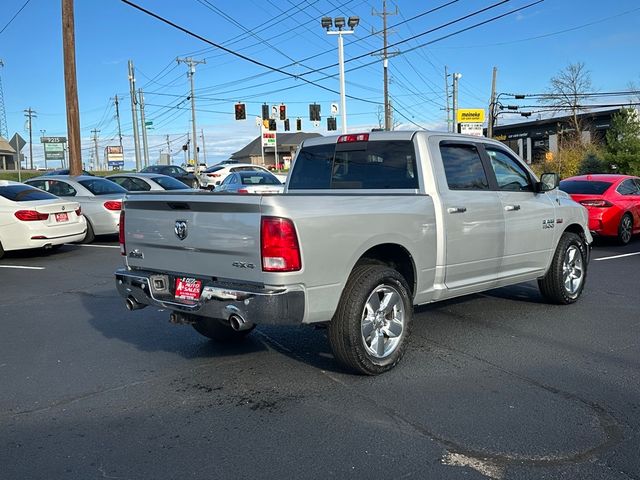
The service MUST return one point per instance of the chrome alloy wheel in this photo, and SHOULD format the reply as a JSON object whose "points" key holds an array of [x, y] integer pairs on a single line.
{"points": [[626, 228], [572, 270], [383, 321]]}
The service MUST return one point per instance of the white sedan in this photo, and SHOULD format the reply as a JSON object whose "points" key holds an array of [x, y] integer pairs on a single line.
{"points": [[31, 218], [214, 176]]}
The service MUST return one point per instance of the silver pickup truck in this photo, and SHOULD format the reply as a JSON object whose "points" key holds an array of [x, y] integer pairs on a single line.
{"points": [[368, 226]]}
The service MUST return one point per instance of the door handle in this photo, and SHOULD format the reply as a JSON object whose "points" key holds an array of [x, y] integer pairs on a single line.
{"points": [[456, 209], [511, 208]]}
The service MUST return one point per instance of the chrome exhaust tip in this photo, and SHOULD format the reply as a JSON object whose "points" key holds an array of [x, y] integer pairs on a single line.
{"points": [[239, 324], [132, 304]]}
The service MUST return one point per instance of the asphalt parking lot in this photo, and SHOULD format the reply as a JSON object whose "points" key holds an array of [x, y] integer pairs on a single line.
{"points": [[497, 385]]}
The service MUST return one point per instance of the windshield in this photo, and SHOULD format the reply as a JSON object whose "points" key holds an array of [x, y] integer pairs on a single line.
{"points": [[259, 178], [24, 193], [100, 186], [583, 187], [169, 183]]}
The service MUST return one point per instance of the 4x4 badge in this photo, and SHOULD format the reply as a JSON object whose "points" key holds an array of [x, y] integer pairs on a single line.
{"points": [[181, 229]]}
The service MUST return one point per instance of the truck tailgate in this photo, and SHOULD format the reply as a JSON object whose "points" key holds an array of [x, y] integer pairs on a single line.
{"points": [[199, 234]]}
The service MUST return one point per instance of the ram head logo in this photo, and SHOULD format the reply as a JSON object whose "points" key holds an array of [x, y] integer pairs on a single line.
{"points": [[180, 229]]}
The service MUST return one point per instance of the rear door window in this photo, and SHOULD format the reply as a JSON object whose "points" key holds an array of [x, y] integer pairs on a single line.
{"points": [[24, 193], [628, 187], [361, 165], [100, 186], [463, 167]]}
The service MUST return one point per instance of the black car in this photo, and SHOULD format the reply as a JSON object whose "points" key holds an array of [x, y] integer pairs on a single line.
{"points": [[174, 171]]}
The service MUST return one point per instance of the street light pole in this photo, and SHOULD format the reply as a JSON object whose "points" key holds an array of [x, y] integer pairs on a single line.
{"points": [[339, 23]]}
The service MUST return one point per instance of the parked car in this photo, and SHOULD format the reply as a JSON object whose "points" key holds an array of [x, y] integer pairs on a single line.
{"points": [[100, 199], [189, 179], [192, 169], [31, 218], [251, 181], [143, 182], [64, 171], [613, 202], [215, 175]]}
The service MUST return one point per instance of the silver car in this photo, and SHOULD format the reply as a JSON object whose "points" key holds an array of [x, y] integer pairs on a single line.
{"points": [[144, 182], [100, 199], [214, 176], [251, 181]]}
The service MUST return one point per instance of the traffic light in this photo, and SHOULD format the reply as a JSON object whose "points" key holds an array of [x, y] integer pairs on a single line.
{"points": [[298, 124], [283, 111], [331, 123], [272, 124], [314, 112], [185, 148], [241, 111], [265, 112], [265, 123], [287, 126]]}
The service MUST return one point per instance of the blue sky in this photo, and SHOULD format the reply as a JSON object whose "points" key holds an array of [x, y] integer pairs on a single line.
{"points": [[527, 47]]}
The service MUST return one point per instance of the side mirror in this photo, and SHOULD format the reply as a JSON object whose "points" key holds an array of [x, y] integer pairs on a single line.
{"points": [[548, 182]]}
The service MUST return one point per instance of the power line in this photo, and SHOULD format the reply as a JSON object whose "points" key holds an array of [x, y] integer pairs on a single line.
{"points": [[14, 17]]}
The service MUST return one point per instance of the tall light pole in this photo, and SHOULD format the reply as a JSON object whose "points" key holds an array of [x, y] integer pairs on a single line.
{"points": [[456, 77], [339, 24]]}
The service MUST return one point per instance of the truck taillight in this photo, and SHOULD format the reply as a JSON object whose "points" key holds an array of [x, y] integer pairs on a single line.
{"points": [[30, 215], [123, 249], [279, 245], [113, 205]]}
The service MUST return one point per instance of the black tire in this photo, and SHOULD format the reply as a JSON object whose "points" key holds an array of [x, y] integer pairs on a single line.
{"points": [[564, 281], [195, 184], [625, 229], [219, 330], [90, 236], [352, 344]]}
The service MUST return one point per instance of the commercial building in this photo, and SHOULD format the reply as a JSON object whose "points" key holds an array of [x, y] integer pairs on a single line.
{"points": [[287, 144], [533, 139]]}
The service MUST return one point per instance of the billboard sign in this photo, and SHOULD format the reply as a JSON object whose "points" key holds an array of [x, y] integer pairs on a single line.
{"points": [[53, 151], [114, 156], [470, 115]]}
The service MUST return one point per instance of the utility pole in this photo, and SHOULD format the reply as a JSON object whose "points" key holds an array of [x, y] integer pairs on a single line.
{"points": [[118, 120], [42, 132], [29, 113], [143, 125], [95, 146], [168, 145], [191, 63], [204, 150], [446, 95], [492, 104], [385, 63], [71, 88], [134, 114], [4, 131], [456, 77], [186, 152]]}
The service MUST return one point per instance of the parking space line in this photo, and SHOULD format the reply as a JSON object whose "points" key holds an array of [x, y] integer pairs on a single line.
{"points": [[21, 267], [618, 256], [94, 246]]}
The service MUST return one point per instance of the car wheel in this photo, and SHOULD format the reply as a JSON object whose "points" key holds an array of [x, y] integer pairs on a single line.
{"points": [[90, 236], [219, 330], [368, 333], [625, 229], [564, 281], [195, 184]]}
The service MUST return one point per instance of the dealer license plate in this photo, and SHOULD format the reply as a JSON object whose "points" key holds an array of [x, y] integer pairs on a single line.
{"points": [[188, 288], [62, 217]]}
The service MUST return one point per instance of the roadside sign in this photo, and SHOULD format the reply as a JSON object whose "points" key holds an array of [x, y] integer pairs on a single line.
{"points": [[114, 156], [17, 142], [275, 112], [268, 138], [471, 129], [148, 123], [53, 139], [334, 109], [470, 115], [53, 151]]}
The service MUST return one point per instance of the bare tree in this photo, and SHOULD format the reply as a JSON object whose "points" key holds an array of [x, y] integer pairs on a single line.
{"points": [[566, 93]]}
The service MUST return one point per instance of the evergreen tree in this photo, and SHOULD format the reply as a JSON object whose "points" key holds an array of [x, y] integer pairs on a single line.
{"points": [[623, 142]]}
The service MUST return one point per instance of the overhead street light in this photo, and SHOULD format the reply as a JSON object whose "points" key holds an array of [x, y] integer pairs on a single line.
{"points": [[339, 24]]}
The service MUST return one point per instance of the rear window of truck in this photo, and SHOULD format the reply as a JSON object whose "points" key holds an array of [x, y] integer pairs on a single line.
{"points": [[363, 165]]}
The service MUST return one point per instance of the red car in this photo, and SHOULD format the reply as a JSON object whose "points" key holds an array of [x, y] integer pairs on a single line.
{"points": [[613, 202]]}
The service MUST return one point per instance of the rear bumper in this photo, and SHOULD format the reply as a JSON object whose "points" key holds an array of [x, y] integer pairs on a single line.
{"points": [[259, 305]]}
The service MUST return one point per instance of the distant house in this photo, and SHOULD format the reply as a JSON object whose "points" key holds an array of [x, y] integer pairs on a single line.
{"points": [[287, 144], [7, 155]]}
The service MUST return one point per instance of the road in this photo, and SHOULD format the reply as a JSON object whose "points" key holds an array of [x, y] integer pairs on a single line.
{"points": [[497, 385]]}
